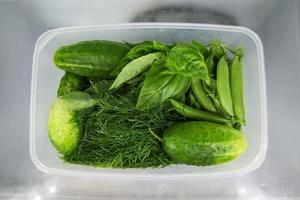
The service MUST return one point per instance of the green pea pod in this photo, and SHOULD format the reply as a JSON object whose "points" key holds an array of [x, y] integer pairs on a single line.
{"points": [[194, 101], [211, 65], [195, 114], [236, 81], [211, 88], [223, 86], [202, 96]]}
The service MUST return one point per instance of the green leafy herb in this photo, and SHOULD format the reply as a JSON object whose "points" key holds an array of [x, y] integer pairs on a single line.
{"points": [[97, 88], [117, 134], [139, 50], [202, 48], [187, 60], [145, 48], [160, 85], [134, 68]]}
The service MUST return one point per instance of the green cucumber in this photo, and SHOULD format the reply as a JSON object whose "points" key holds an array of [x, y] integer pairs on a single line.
{"points": [[96, 58], [72, 82], [65, 124], [203, 143]]}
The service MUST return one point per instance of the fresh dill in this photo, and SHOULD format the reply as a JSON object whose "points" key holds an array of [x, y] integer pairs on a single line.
{"points": [[117, 134]]}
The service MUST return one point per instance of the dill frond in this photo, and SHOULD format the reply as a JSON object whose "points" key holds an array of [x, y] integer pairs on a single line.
{"points": [[117, 135]]}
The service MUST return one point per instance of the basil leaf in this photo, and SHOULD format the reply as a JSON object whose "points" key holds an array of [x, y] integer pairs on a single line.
{"points": [[187, 60], [134, 68], [202, 48], [160, 85], [139, 50]]}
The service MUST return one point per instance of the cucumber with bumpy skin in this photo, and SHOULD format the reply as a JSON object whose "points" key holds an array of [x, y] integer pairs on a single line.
{"points": [[203, 143], [96, 58], [65, 122], [72, 82]]}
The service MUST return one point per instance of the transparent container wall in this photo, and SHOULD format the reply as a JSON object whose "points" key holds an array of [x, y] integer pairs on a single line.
{"points": [[46, 78]]}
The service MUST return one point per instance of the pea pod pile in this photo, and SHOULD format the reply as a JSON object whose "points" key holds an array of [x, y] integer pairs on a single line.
{"points": [[148, 104]]}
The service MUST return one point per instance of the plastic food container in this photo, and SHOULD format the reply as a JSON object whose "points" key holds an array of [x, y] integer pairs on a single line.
{"points": [[45, 79]]}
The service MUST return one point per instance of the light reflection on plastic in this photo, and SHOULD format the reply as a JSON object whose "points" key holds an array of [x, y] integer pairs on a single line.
{"points": [[242, 191], [37, 197], [249, 189], [52, 189], [259, 197]]}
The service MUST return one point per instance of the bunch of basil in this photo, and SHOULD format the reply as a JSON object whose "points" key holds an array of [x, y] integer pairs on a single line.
{"points": [[168, 69]]}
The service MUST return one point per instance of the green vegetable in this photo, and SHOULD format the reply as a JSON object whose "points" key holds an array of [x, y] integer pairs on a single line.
{"points": [[134, 68], [72, 82], [144, 48], [203, 143], [211, 65], [218, 106], [211, 88], [117, 134], [217, 49], [130, 44], [202, 48], [211, 91], [196, 114], [97, 87], [160, 85], [91, 58], [139, 50], [236, 83], [223, 86], [136, 80], [193, 101], [65, 120], [202, 96], [187, 60], [132, 91]]}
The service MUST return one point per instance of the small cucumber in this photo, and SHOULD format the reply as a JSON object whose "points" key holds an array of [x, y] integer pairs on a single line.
{"points": [[96, 58], [72, 82], [203, 143], [65, 124]]}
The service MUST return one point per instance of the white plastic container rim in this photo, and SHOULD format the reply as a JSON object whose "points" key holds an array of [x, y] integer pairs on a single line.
{"points": [[257, 162]]}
